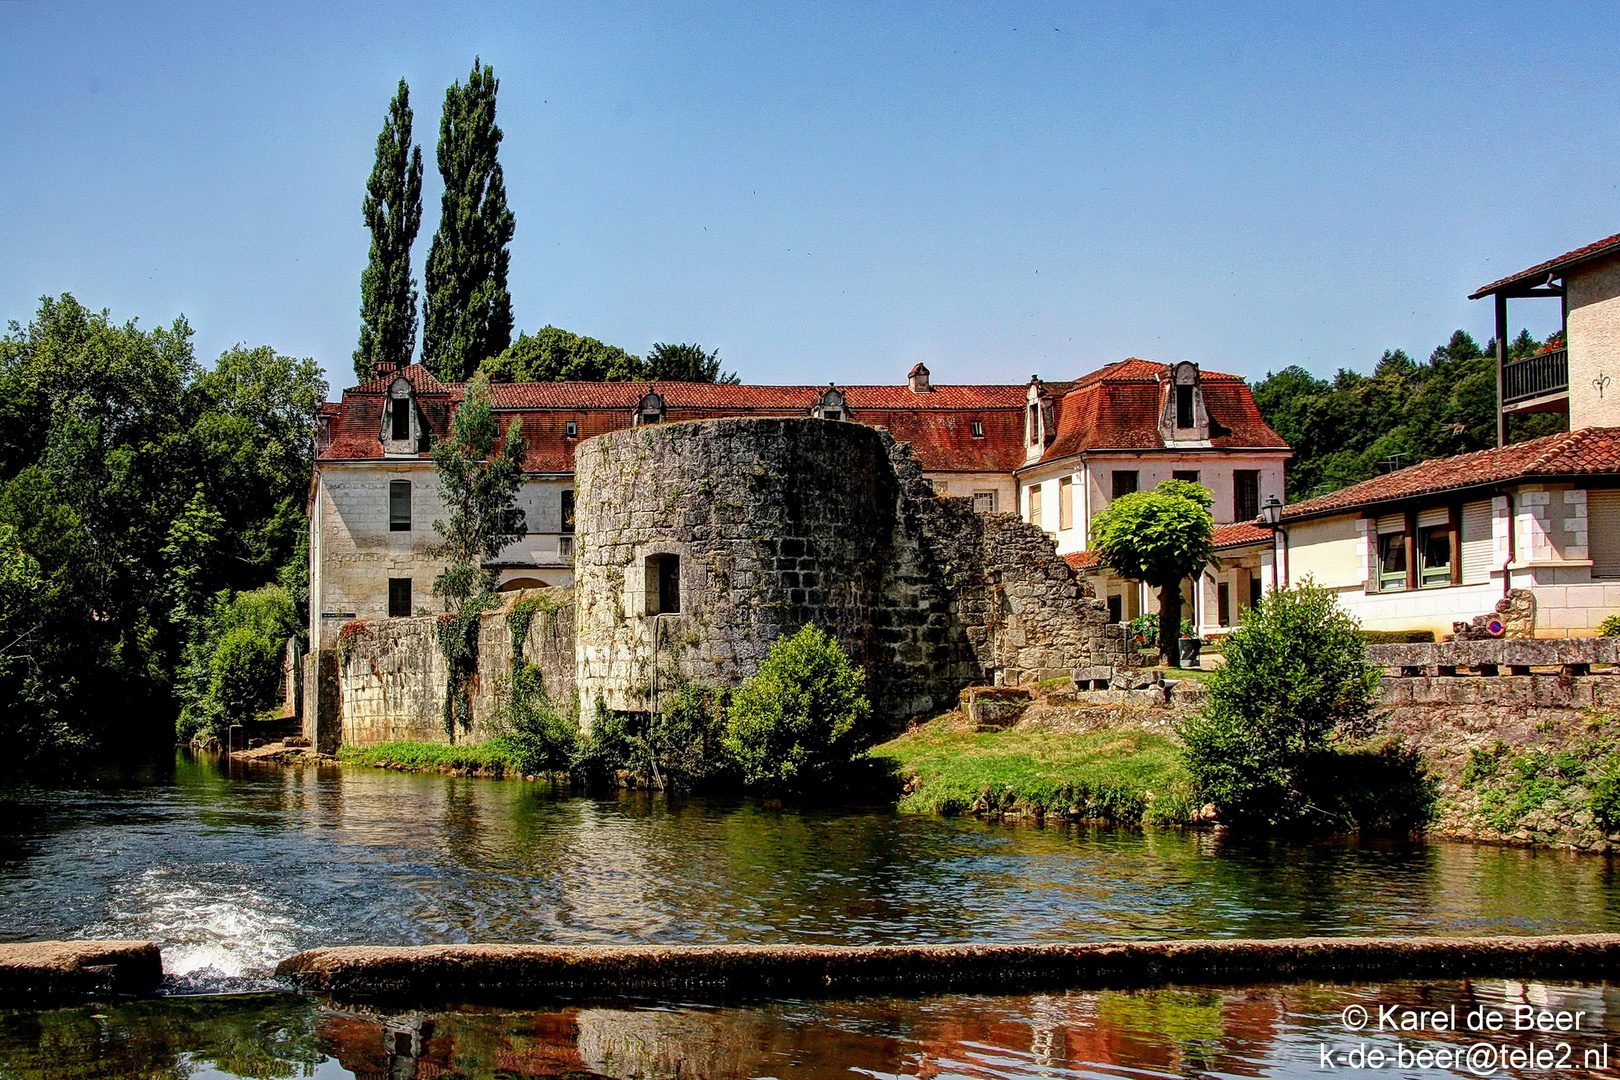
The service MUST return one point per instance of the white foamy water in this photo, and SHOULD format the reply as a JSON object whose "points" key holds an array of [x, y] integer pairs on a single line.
{"points": [[211, 925]]}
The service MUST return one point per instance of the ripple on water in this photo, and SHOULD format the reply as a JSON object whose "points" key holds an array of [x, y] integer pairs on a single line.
{"points": [[212, 921]]}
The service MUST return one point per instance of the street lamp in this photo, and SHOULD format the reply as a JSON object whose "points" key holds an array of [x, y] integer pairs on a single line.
{"points": [[1271, 514]]}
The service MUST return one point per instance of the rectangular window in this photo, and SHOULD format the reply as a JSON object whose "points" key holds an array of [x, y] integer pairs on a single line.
{"points": [[571, 429], [399, 598], [1189, 475], [1066, 502], [568, 511], [978, 429], [1254, 592], [1034, 424], [1245, 494], [1124, 482], [1434, 555], [399, 418], [1184, 406], [663, 584], [565, 548], [1116, 608], [1035, 505], [984, 502], [1391, 562], [399, 506], [1223, 604]]}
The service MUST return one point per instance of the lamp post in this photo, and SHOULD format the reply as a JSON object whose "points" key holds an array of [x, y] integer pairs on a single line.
{"points": [[1271, 514]]}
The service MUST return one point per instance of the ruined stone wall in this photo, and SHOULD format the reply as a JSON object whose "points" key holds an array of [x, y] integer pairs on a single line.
{"points": [[786, 521], [392, 676]]}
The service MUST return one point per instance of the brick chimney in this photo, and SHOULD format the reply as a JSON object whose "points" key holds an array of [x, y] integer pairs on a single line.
{"points": [[919, 380]]}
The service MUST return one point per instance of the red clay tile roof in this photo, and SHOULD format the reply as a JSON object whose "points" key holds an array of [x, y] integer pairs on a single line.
{"points": [[1589, 451], [1226, 536], [1564, 261], [1117, 408]]}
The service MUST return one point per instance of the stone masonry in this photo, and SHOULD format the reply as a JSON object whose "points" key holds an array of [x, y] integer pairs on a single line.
{"points": [[701, 543]]}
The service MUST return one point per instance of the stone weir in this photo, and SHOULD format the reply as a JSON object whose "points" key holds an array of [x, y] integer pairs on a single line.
{"points": [[699, 543]]}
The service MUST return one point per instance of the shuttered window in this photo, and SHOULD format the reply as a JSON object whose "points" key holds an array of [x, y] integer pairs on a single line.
{"points": [[1479, 547], [1603, 532]]}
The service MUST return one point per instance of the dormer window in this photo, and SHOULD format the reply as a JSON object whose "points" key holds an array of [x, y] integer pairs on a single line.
{"points": [[831, 405], [1034, 424], [1185, 416], [402, 430], [1184, 406], [651, 409]]}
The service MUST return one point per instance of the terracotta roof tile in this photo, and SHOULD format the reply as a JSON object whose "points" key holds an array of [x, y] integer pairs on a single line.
{"points": [[1588, 451], [1580, 254]]}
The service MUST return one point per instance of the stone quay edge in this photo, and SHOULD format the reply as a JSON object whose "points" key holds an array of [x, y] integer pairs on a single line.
{"points": [[478, 972], [54, 970]]}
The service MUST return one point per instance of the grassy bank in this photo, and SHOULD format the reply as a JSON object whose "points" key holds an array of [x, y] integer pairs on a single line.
{"points": [[494, 757], [1122, 775]]}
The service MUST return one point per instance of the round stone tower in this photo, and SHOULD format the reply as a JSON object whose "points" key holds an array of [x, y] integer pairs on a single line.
{"points": [[699, 543]]}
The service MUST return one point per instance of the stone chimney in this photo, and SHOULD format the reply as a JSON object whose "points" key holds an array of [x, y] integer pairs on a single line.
{"points": [[919, 380]]}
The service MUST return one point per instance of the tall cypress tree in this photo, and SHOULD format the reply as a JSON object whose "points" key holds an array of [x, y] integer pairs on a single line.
{"points": [[393, 211], [467, 313]]}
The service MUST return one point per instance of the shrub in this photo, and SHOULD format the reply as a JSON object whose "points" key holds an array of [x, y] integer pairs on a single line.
{"points": [[1606, 799], [686, 739], [539, 737], [1611, 626], [1295, 676], [801, 716], [231, 669]]}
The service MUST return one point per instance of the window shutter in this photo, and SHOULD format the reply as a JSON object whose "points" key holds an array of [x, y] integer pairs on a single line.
{"points": [[1478, 545], [1392, 523], [1438, 515], [1603, 532]]}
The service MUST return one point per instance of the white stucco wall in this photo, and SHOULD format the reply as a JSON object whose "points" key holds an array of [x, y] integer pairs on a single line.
{"points": [[1593, 296]]}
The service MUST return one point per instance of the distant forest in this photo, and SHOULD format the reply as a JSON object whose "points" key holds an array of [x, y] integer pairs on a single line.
{"points": [[1356, 426]]}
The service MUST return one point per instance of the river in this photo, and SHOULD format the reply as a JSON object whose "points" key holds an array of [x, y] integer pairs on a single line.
{"points": [[233, 867]]}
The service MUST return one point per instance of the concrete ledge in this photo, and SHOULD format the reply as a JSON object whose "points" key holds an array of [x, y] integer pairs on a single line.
{"points": [[471, 972], [36, 970]]}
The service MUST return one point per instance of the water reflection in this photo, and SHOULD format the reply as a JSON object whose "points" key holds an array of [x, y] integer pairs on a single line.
{"points": [[1180, 1032], [232, 868]]}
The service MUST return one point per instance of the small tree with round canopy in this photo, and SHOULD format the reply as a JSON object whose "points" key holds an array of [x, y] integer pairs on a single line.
{"points": [[1162, 537]]}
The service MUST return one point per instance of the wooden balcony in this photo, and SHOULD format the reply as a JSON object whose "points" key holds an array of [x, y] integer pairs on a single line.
{"points": [[1537, 383]]}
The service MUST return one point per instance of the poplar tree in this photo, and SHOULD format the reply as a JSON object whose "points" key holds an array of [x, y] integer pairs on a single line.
{"points": [[393, 212], [467, 312]]}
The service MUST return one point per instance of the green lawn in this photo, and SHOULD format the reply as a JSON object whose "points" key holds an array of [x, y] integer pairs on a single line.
{"points": [[1118, 775], [434, 757]]}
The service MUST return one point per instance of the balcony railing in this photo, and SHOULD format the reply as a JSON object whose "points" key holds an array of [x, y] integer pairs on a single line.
{"points": [[1535, 377]]}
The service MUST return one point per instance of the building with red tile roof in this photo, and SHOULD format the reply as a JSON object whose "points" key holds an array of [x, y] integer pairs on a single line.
{"points": [[374, 498]]}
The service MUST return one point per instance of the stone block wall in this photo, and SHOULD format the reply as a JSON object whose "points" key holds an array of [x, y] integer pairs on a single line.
{"points": [[391, 676], [780, 522]]}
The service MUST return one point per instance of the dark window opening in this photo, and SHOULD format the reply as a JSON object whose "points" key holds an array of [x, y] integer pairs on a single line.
{"points": [[978, 429], [1223, 604], [1434, 551], [399, 506], [571, 429], [663, 584], [1189, 475], [399, 598], [1184, 406], [1246, 494], [1254, 592], [1391, 561], [400, 418], [568, 511], [1116, 609], [1124, 482], [832, 414]]}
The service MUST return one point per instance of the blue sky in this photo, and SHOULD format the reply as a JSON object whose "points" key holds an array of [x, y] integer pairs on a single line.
{"points": [[832, 192]]}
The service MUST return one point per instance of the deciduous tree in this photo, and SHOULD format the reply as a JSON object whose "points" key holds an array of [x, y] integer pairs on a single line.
{"points": [[1162, 537]]}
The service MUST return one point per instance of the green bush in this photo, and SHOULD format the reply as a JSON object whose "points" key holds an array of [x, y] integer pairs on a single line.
{"points": [[1606, 799], [801, 717], [1397, 637], [687, 739], [1611, 626], [231, 669], [1295, 677], [540, 737]]}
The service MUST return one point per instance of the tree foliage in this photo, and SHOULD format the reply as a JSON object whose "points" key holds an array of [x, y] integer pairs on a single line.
{"points": [[467, 313], [686, 363], [1162, 537], [479, 476], [801, 716], [1296, 677], [231, 670], [393, 213], [1354, 427], [141, 484], [554, 355]]}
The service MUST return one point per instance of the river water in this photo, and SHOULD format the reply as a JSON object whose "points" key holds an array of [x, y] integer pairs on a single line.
{"points": [[232, 867]]}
